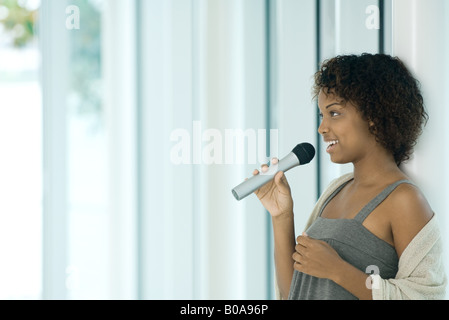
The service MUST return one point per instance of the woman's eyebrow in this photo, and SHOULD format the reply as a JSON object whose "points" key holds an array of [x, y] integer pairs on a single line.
{"points": [[333, 104]]}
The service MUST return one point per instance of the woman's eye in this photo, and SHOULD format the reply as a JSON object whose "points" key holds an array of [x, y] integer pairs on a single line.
{"points": [[331, 114]]}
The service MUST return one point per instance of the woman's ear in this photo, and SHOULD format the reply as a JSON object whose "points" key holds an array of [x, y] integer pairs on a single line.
{"points": [[372, 126]]}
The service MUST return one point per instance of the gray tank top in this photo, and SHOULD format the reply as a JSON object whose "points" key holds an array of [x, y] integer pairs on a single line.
{"points": [[355, 244]]}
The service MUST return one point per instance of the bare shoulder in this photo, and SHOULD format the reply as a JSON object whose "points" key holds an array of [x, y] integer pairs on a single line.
{"points": [[410, 212]]}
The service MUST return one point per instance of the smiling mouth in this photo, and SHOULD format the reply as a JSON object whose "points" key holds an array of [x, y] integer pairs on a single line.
{"points": [[331, 145]]}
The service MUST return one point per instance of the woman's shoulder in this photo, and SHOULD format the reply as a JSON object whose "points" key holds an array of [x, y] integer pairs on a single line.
{"points": [[409, 201], [409, 213]]}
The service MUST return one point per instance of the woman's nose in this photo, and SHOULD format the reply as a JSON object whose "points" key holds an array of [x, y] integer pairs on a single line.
{"points": [[323, 128]]}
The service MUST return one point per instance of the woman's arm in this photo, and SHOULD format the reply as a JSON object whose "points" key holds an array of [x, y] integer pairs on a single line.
{"points": [[352, 279], [284, 246], [317, 258], [277, 199], [409, 212]]}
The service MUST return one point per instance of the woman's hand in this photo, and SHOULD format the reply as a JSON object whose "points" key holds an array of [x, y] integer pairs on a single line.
{"points": [[275, 196], [316, 258]]}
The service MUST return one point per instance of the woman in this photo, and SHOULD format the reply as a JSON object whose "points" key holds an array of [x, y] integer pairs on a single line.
{"points": [[367, 225]]}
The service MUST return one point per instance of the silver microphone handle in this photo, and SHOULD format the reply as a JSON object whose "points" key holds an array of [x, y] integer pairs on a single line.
{"points": [[255, 182]]}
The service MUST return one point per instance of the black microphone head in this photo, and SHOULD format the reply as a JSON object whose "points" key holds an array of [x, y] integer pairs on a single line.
{"points": [[305, 152]]}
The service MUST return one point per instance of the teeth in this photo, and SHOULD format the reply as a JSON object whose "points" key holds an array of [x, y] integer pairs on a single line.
{"points": [[331, 143]]}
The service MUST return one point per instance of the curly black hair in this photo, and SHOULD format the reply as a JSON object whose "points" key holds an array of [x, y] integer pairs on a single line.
{"points": [[386, 94]]}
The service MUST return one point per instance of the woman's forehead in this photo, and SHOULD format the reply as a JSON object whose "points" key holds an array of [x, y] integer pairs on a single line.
{"points": [[324, 99]]}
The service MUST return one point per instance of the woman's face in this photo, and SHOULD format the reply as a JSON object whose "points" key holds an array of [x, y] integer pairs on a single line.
{"points": [[344, 131]]}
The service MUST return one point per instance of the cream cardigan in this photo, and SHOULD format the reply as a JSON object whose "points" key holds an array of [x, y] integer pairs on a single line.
{"points": [[421, 273]]}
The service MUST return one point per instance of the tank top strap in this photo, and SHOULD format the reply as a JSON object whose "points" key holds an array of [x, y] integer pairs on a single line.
{"points": [[365, 212], [333, 194]]}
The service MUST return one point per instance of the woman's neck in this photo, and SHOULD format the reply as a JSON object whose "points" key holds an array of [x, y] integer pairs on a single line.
{"points": [[375, 168]]}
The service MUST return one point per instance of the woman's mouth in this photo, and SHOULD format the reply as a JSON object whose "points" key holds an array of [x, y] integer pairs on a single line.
{"points": [[331, 145]]}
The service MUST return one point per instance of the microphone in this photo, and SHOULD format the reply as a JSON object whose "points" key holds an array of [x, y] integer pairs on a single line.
{"points": [[302, 154]]}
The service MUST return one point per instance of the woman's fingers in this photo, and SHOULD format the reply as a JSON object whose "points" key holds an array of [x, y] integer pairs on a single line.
{"points": [[264, 168], [296, 256]]}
